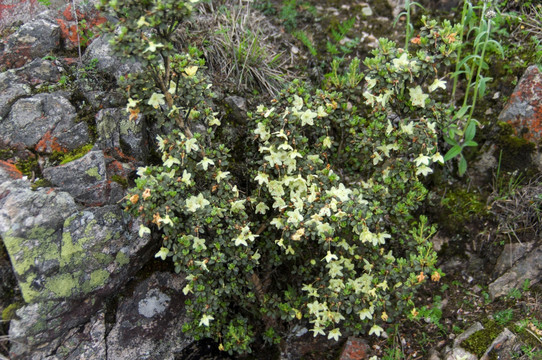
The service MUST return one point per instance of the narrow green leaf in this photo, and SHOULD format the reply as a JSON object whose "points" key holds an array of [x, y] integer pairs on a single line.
{"points": [[450, 141], [470, 143], [462, 166]]}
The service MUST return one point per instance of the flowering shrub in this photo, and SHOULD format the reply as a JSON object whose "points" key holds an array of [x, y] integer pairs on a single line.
{"points": [[286, 237], [309, 217]]}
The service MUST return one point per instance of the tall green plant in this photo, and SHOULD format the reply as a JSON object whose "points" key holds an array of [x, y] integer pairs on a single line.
{"points": [[462, 132]]}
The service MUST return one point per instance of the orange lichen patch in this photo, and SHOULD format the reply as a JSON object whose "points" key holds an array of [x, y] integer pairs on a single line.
{"points": [[117, 152], [524, 109], [49, 143], [85, 22], [11, 170]]}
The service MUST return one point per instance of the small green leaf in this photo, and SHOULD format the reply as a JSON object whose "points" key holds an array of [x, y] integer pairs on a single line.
{"points": [[461, 112], [470, 132], [453, 152]]}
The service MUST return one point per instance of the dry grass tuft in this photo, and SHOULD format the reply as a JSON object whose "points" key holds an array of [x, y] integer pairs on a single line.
{"points": [[518, 209], [240, 45]]}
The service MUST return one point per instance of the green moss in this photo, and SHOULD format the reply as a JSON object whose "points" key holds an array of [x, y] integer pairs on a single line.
{"points": [[40, 183], [478, 342], [6, 154], [461, 206], [78, 153], [62, 285], [120, 180], [28, 167], [8, 313], [98, 278], [94, 173], [515, 150]]}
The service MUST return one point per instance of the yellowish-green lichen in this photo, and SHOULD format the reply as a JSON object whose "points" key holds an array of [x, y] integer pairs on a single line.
{"points": [[122, 259], [9, 312], [94, 173], [69, 248], [98, 278], [28, 292], [62, 285]]}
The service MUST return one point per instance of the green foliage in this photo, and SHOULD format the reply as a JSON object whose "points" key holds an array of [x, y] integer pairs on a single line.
{"points": [[339, 44], [302, 36], [503, 317], [514, 294], [288, 14], [73, 155]]}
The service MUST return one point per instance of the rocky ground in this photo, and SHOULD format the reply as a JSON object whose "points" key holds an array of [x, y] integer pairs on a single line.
{"points": [[79, 282]]}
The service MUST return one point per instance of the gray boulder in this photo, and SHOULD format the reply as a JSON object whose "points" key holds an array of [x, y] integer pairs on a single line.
{"points": [[45, 122], [33, 40], [149, 323], [108, 62], [12, 88], [237, 106], [117, 131], [85, 179], [31, 227]]}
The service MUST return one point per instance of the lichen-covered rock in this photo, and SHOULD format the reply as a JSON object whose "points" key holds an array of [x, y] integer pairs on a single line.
{"points": [[9, 171], [116, 130], [355, 349], [33, 40], [85, 179], [12, 88], [86, 342], [524, 109], [45, 122], [97, 251], [66, 260], [31, 227], [107, 61], [149, 323]]}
